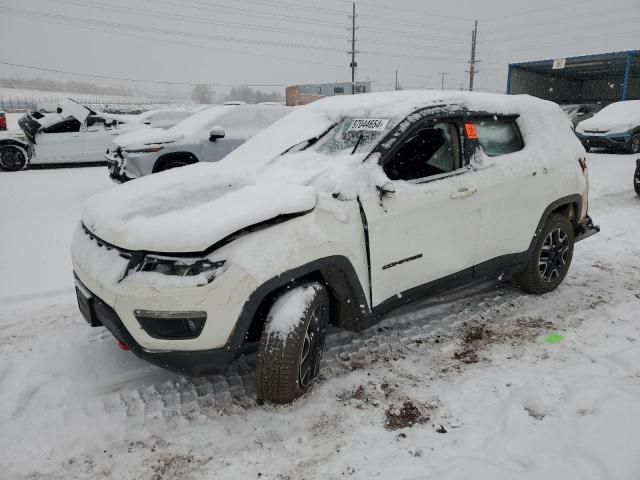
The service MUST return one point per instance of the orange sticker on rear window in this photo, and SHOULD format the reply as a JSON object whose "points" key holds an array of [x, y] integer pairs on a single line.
{"points": [[472, 133]]}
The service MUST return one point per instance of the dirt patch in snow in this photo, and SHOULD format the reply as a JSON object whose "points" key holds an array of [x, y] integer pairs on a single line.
{"points": [[475, 336], [170, 465], [404, 416]]}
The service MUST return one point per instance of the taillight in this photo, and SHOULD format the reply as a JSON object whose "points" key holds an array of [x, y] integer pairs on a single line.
{"points": [[583, 164]]}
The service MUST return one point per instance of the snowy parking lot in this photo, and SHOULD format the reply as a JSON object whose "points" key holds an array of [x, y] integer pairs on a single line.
{"points": [[488, 383]]}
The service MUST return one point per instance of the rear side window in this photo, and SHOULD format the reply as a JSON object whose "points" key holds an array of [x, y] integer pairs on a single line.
{"points": [[499, 137]]}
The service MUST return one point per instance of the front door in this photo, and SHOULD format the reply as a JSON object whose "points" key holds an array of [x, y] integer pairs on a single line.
{"points": [[59, 143], [97, 137], [428, 229]]}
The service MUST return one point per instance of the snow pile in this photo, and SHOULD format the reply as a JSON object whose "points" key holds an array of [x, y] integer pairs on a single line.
{"points": [[617, 117], [288, 310]]}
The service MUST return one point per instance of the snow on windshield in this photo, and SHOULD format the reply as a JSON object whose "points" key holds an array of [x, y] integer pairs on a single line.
{"points": [[200, 121], [353, 135]]}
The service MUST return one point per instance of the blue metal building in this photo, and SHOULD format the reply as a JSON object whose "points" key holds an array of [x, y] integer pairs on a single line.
{"points": [[599, 78]]}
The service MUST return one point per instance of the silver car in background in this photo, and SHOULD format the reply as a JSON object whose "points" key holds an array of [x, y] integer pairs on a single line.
{"points": [[207, 136]]}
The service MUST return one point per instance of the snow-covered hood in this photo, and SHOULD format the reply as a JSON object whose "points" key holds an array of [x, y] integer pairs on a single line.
{"points": [[596, 125], [183, 211], [147, 136], [617, 117]]}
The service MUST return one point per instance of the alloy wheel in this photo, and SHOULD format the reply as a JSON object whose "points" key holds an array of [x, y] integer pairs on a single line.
{"points": [[11, 159], [553, 255], [313, 345]]}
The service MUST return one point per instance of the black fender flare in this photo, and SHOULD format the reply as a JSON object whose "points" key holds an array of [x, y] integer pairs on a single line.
{"points": [[170, 156], [571, 201], [350, 307]]}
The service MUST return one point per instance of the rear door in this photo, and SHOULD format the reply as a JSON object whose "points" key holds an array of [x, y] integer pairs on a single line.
{"points": [[427, 230], [514, 185]]}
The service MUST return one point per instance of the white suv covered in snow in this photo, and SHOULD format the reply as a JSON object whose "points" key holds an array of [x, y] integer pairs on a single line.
{"points": [[206, 136], [335, 214]]}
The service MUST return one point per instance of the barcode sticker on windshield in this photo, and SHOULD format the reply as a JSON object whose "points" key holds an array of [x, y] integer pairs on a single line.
{"points": [[369, 124]]}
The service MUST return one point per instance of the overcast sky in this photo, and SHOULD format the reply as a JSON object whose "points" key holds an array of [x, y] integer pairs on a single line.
{"points": [[287, 42]]}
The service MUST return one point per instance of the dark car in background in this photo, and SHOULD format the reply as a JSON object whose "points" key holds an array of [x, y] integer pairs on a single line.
{"points": [[581, 111], [614, 128]]}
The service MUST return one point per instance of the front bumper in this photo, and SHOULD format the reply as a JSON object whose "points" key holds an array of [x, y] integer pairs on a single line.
{"points": [[619, 141], [585, 229], [117, 166], [190, 363]]}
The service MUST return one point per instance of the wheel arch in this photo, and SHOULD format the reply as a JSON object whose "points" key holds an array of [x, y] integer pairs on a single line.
{"points": [[569, 206], [348, 305], [160, 163], [16, 143]]}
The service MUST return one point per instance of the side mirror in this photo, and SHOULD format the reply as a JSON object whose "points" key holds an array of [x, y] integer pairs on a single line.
{"points": [[216, 133], [387, 189]]}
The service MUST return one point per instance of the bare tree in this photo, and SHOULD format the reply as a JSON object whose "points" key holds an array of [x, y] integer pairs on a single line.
{"points": [[202, 94]]}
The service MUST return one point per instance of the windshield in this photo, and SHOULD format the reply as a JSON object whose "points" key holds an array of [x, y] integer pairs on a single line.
{"points": [[354, 135], [200, 121]]}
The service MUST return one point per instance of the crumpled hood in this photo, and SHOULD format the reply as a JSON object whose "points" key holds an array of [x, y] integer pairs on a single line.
{"points": [[189, 210], [146, 136]]}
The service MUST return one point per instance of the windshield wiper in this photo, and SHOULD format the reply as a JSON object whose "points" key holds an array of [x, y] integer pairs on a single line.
{"points": [[355, 147]]}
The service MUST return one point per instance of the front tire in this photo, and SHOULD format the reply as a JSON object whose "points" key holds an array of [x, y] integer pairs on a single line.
{"points": [[173, 164], [634, 147], [292, 343], [551, 257], [12, 158]]}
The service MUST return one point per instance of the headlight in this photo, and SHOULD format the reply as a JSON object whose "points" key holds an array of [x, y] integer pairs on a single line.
{"points": [[181, 267], [143, 150]]}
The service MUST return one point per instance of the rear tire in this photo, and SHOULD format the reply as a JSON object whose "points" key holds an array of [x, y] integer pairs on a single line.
{"points": [[12, 158], [292, 343], [551, 257]]}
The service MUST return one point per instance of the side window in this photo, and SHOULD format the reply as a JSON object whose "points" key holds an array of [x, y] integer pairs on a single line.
{"points": [[94, 121], [68, 125], [499, 137], [432, 150]]}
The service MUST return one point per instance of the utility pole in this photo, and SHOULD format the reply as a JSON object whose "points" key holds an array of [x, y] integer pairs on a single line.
{"points": [[443, 75], [472, 62], [396, 79], [353, 51]]}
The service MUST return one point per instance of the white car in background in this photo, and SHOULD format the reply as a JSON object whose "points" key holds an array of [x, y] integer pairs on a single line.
{"points": [[206, 136], [159, 118], [75, 134], [345, 209]]}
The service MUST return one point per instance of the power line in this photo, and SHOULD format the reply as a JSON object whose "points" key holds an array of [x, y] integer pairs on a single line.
{"points": [[218, 49], [207, 21], [225, 38], [162, 82], [190, 18]]}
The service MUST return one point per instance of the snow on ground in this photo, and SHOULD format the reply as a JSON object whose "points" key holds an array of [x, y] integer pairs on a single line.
{"points": [[454, 388]]}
